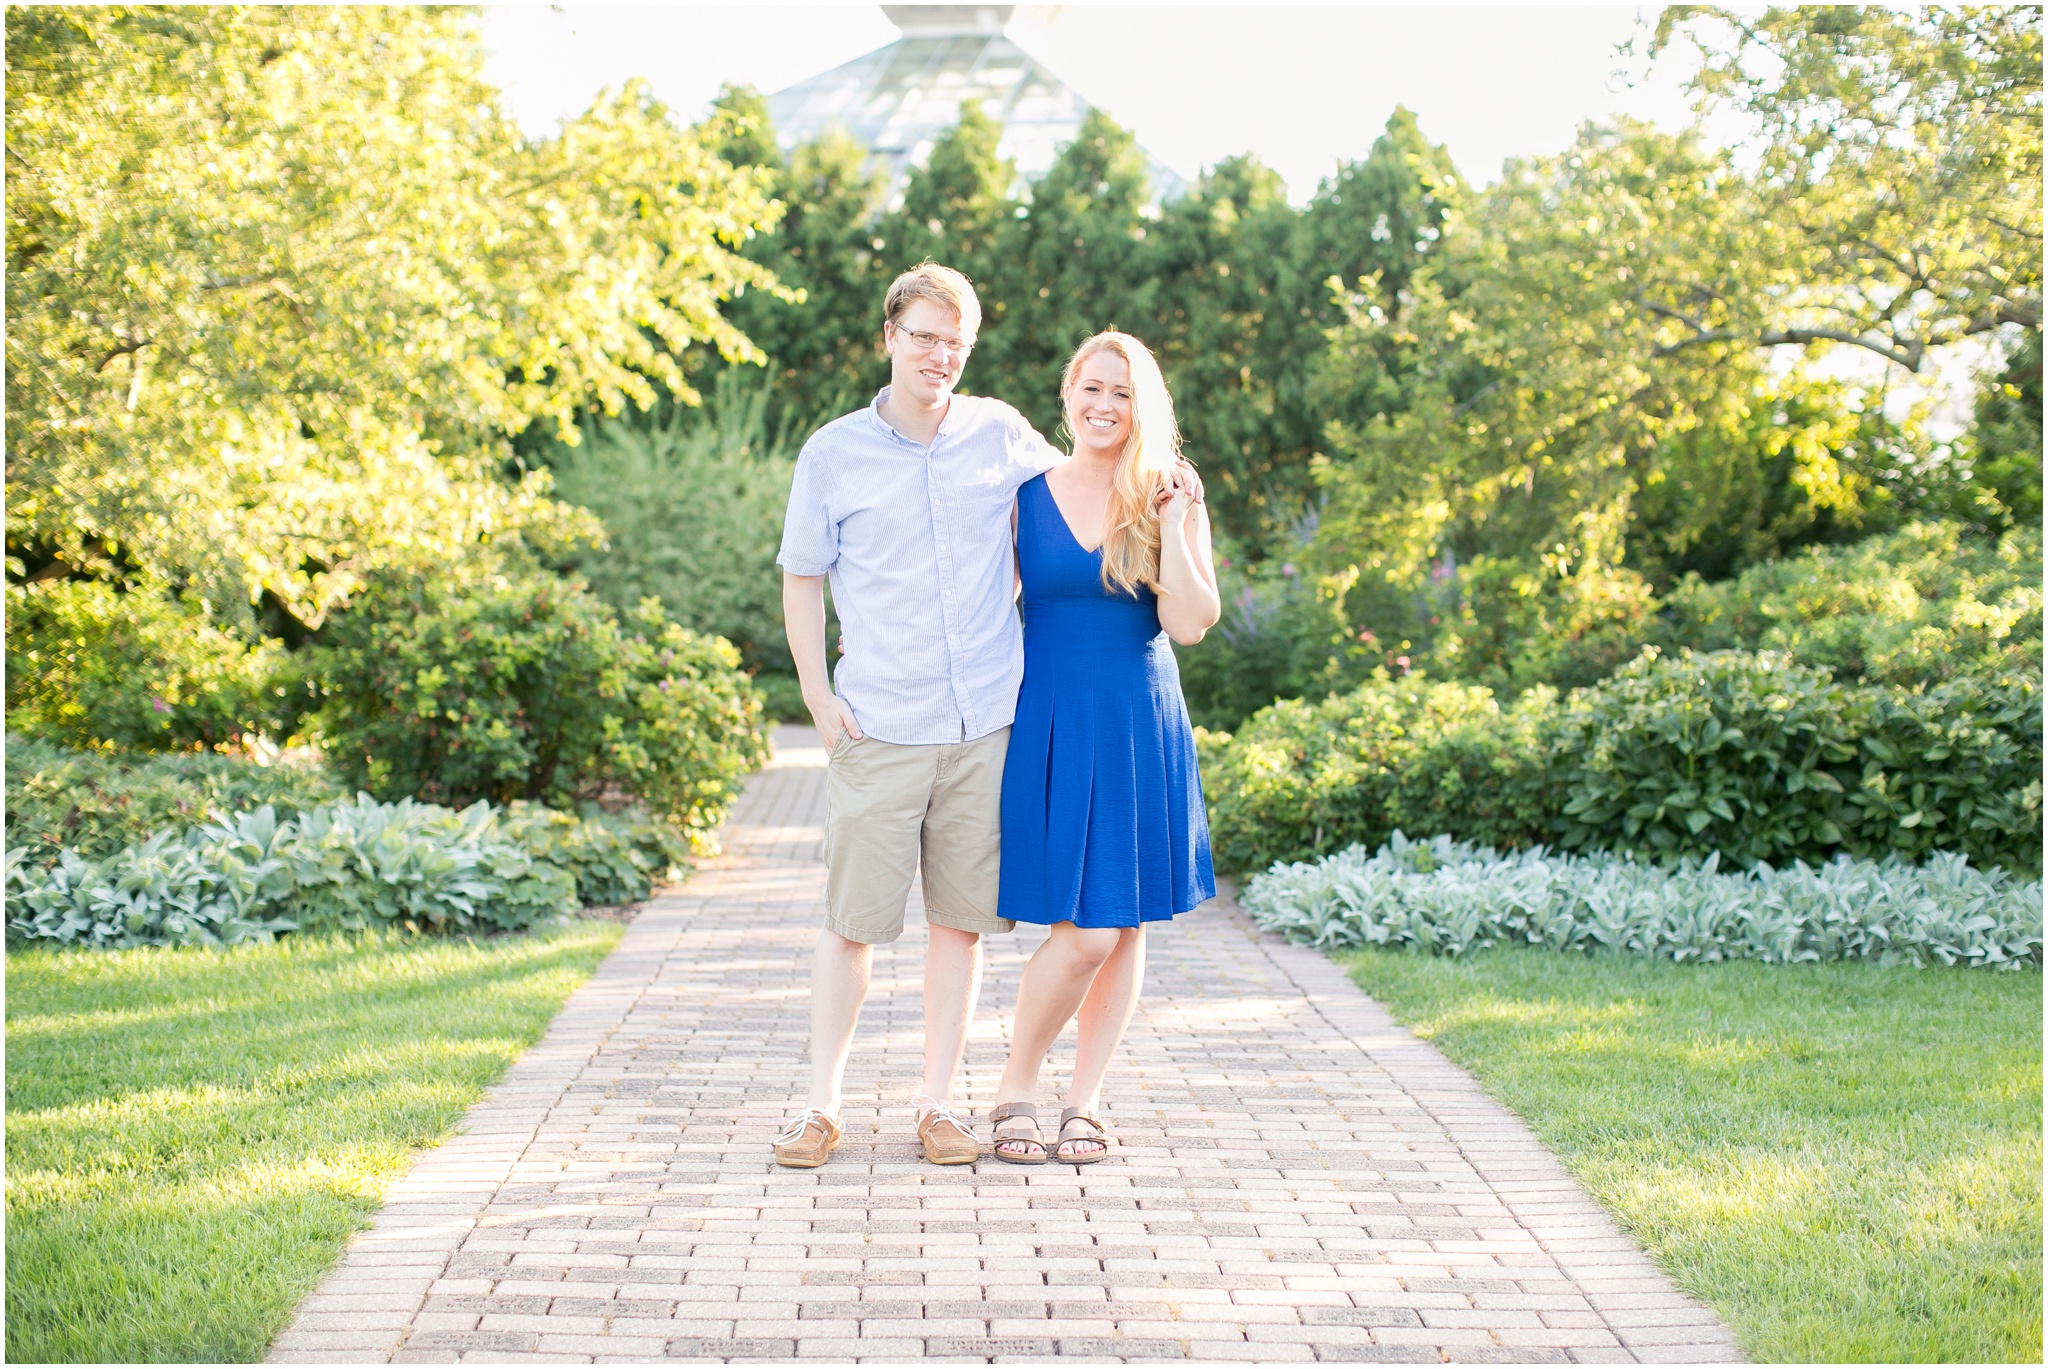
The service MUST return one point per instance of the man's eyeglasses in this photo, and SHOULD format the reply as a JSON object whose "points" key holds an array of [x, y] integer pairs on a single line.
{"points": [[931, 342]]}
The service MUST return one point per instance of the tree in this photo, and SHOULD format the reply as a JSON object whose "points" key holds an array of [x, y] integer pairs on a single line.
{"points": [[1076, 263], [957, 205], [2007, 441], [1547, 423], [821, 341], [282, 281], [1902, 156]]}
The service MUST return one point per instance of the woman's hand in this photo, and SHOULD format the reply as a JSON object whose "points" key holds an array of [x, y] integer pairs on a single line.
{"points": [[1181, 492]]}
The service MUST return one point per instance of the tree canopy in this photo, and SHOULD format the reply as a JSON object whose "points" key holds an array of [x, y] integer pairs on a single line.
{"points": [[282, 281]]}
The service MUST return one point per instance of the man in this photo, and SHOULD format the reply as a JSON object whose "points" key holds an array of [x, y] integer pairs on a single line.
{"points": [[906, 506]]}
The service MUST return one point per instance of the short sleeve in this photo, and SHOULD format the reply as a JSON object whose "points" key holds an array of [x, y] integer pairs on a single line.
{"points": [[810, 534], [1030, 454]]}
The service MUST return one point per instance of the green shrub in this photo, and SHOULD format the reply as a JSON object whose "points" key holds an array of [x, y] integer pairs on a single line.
{"points": [[94, 667], [1299, 779], [94, 803], [1518, 625], [1746, 755], [613, 857], [345, 866], [1759, 759], [1448, 897], [692, 503], [526, 686], [1282, 635], [1928, 603]]}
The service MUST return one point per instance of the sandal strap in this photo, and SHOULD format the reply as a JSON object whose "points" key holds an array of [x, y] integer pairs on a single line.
{"points": [[1082, 1115], [1005, 1111]]}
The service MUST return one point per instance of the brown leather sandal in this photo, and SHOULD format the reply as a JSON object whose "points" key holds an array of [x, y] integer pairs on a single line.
{"points": [[1096, 1135], [1032, 1147]]}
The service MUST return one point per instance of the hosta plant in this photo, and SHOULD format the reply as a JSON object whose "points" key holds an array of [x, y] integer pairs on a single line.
{"points": [[1448, 897]]}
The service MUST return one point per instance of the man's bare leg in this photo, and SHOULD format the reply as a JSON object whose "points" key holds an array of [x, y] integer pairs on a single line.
{"points": [[839, 985], [952, 986]]}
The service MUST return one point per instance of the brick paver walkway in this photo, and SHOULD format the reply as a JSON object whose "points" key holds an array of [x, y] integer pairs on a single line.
{"points": [[1298, 1177]]}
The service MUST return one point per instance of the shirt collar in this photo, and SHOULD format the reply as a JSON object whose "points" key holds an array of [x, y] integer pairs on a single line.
{"points": [[956, 411]]}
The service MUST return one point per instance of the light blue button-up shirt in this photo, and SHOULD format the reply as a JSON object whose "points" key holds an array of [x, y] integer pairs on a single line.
{"points": [[917, 542]]}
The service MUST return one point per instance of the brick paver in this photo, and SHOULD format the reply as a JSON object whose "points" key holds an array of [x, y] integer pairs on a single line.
{"points": [[1297, 1178]]}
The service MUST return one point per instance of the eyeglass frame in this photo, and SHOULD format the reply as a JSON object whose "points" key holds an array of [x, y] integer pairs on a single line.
{"points": [[958, 347]]}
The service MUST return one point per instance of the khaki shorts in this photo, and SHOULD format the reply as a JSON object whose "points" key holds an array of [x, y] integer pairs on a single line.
{"points": [[885, 805]]}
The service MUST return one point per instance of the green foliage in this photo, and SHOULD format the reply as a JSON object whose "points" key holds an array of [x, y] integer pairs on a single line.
{"points": [[340, 866], [514, 686], [1763, 760], [1552, 411], [1517, 625], [93, 804], [193, 1135], [1922, 605], [1901, 166], [266, 340], [1282, 635], [614, 858], [1449, 898], [1750, 756], [692, 505], [824, 356], [93, 667], [2007, 436], [1843, 1160], [958, 210], [1301, 778]]}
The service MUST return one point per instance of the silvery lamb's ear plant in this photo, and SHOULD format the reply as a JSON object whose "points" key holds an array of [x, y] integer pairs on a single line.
{"points": [[343, 866], [1448, 897]]}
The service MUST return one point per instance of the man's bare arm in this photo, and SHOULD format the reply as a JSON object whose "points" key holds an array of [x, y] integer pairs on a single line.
{"points": [[803, 618]]}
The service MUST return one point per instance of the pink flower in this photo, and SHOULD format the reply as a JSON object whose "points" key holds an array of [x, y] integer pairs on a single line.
{"points": [[158, 704], [1401, 661]]}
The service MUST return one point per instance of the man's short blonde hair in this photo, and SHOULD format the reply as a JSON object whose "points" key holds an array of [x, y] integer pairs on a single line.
{"points": [[943, 286]]}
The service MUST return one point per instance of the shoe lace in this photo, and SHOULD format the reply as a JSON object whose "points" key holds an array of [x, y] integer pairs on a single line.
{"points": [[795, 1129], [938, 1112]]}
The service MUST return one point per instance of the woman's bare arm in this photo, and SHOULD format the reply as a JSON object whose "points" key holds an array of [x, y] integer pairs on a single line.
{"points": [[1189, 604]]}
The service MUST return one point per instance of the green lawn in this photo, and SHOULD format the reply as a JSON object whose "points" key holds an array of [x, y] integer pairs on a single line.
{"points": [[192, 1135], [1844, 1160]]}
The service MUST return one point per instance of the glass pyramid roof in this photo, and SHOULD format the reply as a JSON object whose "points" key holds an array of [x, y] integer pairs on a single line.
{"points": [[897, 100]]}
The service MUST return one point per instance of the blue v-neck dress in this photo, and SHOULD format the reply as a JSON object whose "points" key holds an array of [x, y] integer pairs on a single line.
{"points": [[1103, 824]]}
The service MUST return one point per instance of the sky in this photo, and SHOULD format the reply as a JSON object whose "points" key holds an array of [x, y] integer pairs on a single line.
{"points": [[1302, 86]]}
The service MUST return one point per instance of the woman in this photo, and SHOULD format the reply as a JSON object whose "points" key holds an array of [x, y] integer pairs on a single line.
{"points": [[1103, 827]]}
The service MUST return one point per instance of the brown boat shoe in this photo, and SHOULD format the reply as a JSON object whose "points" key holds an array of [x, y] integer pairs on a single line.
{"points": [[807, 1141], [947, 1140]]}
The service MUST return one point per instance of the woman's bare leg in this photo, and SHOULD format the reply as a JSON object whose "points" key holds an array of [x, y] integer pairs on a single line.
{"points": [[1105, 1013], [1055, 982]]}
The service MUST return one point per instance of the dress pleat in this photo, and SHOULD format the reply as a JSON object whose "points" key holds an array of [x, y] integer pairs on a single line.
{"points": [[1103, 822]]}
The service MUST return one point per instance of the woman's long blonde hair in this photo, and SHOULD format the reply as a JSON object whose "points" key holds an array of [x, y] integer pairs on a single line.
{"points": [[1130, 548]]}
